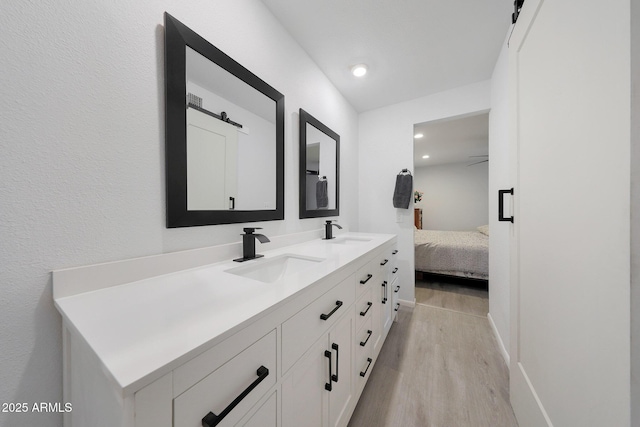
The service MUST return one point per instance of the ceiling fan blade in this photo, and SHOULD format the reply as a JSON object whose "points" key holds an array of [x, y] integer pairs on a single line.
{"points": [[481, 161]]}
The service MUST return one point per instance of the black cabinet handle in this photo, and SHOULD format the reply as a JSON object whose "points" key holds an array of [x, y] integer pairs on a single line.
{"points": [[384, 262], [364, 313], [369, 276], [397, 289], [395, 270], [397, 306], [327, 386], [335, 347], [362, 374], [363, 343], [394, 252], [211, 419], [501, 194], [384, 287], [326, 316], [232, 201]]}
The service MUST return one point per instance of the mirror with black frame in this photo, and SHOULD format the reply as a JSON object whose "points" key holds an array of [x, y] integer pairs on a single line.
{"points": [[319, 168], [224, 136]]}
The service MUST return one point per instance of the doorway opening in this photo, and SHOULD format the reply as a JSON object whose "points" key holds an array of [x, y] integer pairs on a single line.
{"points": [[451, 212]]}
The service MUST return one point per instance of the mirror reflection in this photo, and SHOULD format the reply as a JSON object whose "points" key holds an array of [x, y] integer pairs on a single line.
{"points": [[224, 136], [319, 168], [231, 140]]}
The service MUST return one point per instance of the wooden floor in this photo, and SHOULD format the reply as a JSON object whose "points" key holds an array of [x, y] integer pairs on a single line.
{"points": [[439, 367]]}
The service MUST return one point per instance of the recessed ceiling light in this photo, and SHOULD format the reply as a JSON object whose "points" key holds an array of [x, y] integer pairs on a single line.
{"points": [[418, 135], [426, 156], [359, 70]]}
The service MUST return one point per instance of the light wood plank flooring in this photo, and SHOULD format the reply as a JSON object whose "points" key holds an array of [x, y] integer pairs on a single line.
{"points": [[440, 367], [453, 294]]}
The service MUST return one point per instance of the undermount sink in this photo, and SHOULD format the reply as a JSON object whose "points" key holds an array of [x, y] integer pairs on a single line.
{"points": [[269, 270], [350, 240]]}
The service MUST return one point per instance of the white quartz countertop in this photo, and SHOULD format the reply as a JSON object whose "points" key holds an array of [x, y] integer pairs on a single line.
{"points": [[141, 330]]}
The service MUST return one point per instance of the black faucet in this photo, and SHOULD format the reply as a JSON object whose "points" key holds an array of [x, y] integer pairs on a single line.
{"points": [[249, 244], [328, 231]]}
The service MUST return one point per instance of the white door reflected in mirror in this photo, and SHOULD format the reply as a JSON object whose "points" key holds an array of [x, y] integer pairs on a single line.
{"points": [[212, 147]]}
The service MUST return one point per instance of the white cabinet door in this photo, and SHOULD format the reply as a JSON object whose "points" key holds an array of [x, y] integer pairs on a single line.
{"points": [[318, 390], [303, 391], [341, 394], [570, 82]]}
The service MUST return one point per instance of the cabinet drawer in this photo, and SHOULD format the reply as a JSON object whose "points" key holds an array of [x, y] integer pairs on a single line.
{"points": [[395, 289], [218, 390], [366, 275], [266, 416], [364, 336], [364, 353], [305, 327], [364, 308], [387, 262]]}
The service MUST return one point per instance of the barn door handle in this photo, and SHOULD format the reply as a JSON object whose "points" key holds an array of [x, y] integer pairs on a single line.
{"points": [[501, 194]]}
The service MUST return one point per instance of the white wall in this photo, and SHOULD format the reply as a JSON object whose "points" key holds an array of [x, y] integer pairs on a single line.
{"points": [[456, 195], [386, 147], [499, 179], [82, 164]]}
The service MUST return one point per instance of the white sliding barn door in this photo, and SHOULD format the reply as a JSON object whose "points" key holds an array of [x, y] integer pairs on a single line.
{"points": [[212, 163], [569, 95]]}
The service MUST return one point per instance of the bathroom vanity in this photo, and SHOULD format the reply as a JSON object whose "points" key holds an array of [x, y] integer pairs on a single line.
{"points": [[287, 340]]}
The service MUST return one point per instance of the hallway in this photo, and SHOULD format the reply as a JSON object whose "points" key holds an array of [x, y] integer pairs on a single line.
{"points": [[440, 365]]}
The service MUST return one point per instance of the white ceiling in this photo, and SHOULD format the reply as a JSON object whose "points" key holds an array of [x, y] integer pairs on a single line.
{"points": [[413, 47], [452, 140]]}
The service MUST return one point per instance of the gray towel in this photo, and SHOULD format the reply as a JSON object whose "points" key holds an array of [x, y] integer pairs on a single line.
{"points": [[322, 196], [402, 193]]}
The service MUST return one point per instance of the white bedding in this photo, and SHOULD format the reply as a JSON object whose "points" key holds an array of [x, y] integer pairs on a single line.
{"points": [[457, 253]]}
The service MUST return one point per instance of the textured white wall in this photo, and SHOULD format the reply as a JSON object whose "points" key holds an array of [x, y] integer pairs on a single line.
{"points": [[82, 164], [499, 179], [386, 147], [456, 196]]}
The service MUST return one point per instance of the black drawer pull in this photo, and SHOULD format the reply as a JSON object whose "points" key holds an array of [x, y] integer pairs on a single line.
{"points": [[397, 306], [327, 386], [364, 313], [326, 316], [363, 343], [397, 289], [384, 297], [394, 252], [384, 262], [211, 419], [369, 276], [335, 347], [395, 270], [362, 374]]}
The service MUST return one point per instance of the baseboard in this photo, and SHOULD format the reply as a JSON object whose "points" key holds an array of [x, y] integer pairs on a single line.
{"points": [[407, 303], [501, 346], [525, 401]]}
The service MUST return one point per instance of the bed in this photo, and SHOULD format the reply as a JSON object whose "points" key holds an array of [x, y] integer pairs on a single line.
{"points": [[453, 253]]}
